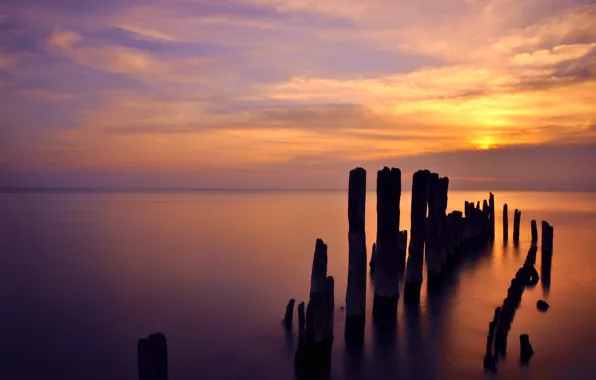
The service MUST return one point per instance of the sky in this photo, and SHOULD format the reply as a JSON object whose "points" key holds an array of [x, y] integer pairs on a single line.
{"points": [[495, 94]]}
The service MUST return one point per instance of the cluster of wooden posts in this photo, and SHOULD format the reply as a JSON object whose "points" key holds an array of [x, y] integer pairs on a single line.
{"points": [[443, 239], [526, 276], [440, 239]]}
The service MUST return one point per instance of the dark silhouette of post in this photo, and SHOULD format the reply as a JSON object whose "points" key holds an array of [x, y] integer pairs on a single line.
{"points": [[313, 356], [534, 229], [420, 184], [386, 275], [356, 291], [403, 247], [491, 206], [288, 317], [516, 224], [152, 356], [433, 240], [505, 223], [547, 238], [443, 227], [301, 323]]}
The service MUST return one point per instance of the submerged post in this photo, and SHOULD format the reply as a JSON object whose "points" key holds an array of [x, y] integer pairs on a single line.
{"points": [[356, 291], [413, 283], [491, 207], [152, 355], [516, 224], [534, 234], [443, 231], [505, 223], [313, 357], [287, 322], [386, 259]]}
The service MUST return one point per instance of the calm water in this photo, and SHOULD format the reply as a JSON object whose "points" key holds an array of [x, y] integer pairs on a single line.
{"points": [[83, 276]]}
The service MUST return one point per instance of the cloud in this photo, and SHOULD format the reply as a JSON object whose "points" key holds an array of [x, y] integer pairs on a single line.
{"points": [[124, 60], [6, 61], [315, 85], [46, 95]]}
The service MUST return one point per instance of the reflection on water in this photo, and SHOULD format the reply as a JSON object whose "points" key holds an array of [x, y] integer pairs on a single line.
{"points": [[83, 276]]}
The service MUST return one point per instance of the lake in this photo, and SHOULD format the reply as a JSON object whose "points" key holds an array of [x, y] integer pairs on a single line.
{"points": [[84, 275]]}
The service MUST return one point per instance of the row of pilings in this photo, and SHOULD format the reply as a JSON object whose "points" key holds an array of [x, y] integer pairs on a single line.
{"points": [[526, 277], [441, 239]]}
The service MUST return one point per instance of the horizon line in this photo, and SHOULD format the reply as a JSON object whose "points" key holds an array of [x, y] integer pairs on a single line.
{"points": [[23, 189]]}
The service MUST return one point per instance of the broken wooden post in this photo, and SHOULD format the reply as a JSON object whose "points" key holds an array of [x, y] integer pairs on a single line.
{"points": [[356, 290], [413, 283], [152, 356], [318, 276], [313, 356], [444, 238], [534, 234], [433, 240], [547, 238], [547, 253], [505, 223], [301, 322], [526, 350], [373, 258], [287, 322], [491, 206], [516, 224], [403, 247], [386, 275]]}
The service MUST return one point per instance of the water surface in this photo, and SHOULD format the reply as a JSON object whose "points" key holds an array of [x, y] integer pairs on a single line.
{"points": [[84, 275]]}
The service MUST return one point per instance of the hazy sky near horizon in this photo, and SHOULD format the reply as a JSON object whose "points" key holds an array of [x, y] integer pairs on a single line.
{"points": [[293, 93]]}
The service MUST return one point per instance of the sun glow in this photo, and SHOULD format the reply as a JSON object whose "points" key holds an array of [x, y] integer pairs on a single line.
{"points": [[485, 143]]}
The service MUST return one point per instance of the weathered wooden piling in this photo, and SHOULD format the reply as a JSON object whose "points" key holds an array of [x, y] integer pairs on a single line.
{"points": [[526, 350], [491, 206], [534, 228], [420, 184], [546, 253], [403, 248], [313, 356], [373, 258], [356, 290], [547, 238], [526, 276], [386, 275], [433, 239], [301, 322], [516, 224], [152, 356], [289, 316], [444, 237], [505, 223]]}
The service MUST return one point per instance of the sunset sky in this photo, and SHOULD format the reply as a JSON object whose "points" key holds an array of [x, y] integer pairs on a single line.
{"points": [[496, 94]]}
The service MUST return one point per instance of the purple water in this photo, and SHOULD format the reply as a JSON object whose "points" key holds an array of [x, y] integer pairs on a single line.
{"points": [[84, 275]]}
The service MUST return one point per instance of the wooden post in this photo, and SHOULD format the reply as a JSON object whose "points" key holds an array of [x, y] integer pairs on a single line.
{"points": [[516, 224], [313, 357], [403, 247], [386, 275], [491, 205], [433, 241], [152, 355], [547, 238], [534, 234], [443, 231], [356, 290], [420, 184], [301, 323], [505, 223], [287, 322], [318, 276]]}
